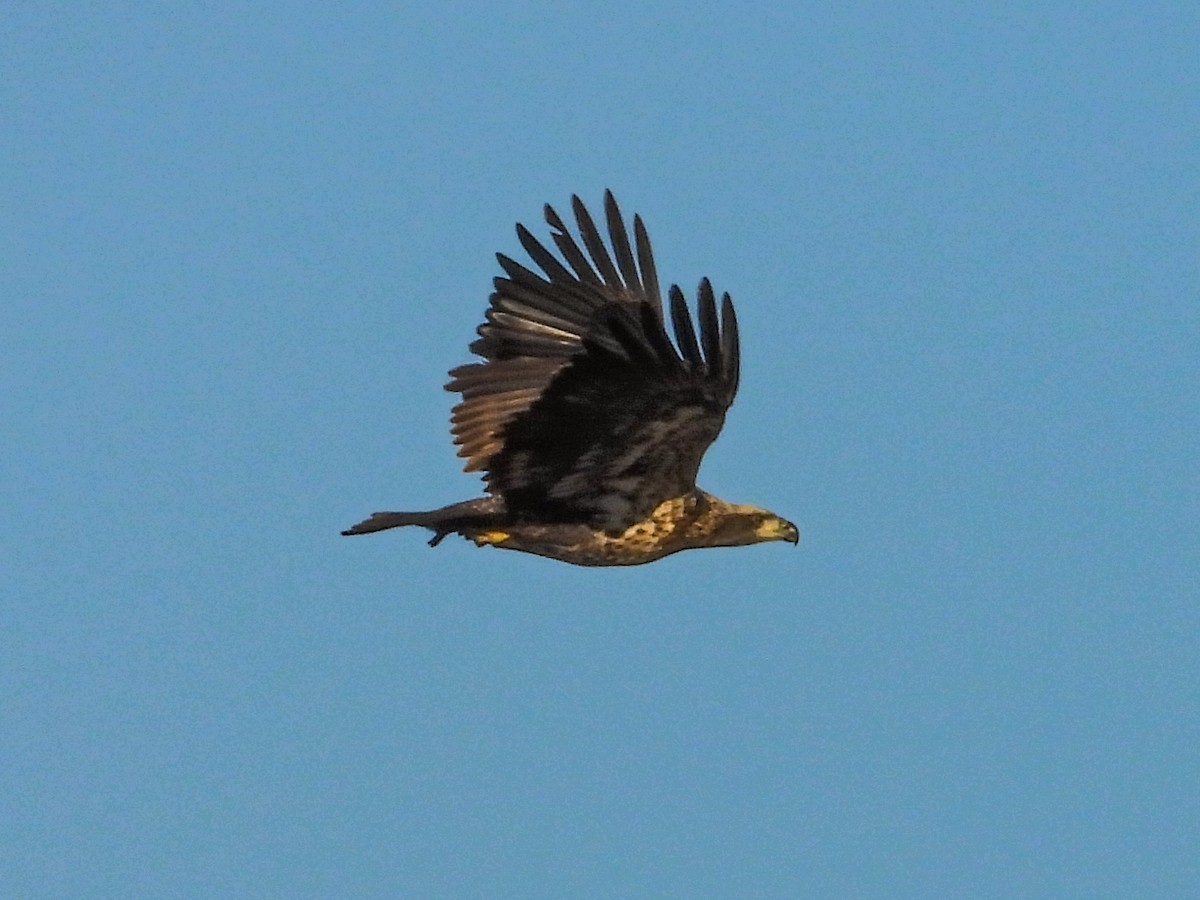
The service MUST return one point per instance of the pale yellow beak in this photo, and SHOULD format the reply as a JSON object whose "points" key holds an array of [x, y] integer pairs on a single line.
{"points": [[777, 529]]}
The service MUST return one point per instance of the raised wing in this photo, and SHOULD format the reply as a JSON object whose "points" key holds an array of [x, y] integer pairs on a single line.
{"points": [[584, 410]]}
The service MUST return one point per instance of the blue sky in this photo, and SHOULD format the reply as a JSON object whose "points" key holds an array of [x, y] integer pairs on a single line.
{"points": [[244, 243]]}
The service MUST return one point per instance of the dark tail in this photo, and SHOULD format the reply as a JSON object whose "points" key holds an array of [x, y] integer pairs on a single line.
{"points": [[382, 521], [478, 513]]}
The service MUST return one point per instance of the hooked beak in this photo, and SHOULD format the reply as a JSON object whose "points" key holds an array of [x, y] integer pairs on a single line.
{"points": [[777, 529]]}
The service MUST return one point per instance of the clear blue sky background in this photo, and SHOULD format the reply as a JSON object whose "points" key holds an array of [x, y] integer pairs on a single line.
{"points": [[244, 242]]}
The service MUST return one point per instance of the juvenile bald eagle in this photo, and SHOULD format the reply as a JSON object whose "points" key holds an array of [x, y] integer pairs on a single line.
{"points": [[588, 423]]}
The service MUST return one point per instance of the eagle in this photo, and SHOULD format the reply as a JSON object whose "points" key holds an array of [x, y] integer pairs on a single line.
{"points": [[587, 421]]}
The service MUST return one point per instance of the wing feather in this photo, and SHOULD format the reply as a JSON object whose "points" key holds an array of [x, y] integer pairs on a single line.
{"points": [[595, 244], [731, 362], [620, 240], [583, 409], [646, 264], [540, 255], [710, 332], [570, 251], [685, 331]]}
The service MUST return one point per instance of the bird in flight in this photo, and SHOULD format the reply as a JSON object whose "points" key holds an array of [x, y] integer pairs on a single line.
{"points": [[588, 423]]}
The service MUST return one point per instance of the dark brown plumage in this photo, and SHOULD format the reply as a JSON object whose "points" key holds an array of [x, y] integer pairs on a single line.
{"points": [[588, 423]]}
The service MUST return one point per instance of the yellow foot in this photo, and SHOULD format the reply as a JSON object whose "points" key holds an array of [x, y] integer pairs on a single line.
{"points": [[491, 537]]}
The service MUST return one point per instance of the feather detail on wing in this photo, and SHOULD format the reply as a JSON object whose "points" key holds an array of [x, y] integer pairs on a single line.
{"points": [[584, 410]]}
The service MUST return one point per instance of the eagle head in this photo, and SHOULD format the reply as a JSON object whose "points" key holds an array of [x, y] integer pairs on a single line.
{"points": [[737, 524]]}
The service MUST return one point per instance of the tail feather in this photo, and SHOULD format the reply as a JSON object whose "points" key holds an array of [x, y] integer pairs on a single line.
{"points": [[477, 513], [381, 521]]}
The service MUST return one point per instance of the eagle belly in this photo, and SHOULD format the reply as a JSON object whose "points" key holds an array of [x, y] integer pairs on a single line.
{"points": [[663, 532]]}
